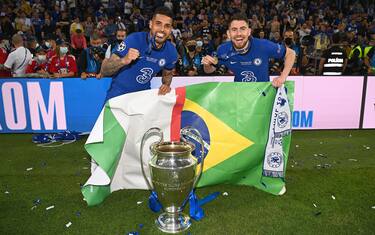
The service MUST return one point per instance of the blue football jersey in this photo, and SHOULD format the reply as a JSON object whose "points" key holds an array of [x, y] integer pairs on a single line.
{"points": [[137, 75], [251, 66]]}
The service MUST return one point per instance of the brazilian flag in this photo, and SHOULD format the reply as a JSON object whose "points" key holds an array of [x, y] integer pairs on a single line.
{"points": [[234, 120]]}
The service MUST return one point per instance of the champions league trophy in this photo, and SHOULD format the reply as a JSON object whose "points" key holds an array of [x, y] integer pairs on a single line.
{"points": [[174, 174]]}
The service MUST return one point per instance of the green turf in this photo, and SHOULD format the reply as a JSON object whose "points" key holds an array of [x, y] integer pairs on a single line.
{"points": [[57, 173]]}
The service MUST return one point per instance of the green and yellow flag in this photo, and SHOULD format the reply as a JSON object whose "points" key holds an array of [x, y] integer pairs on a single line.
{"points": [[234, 120]]}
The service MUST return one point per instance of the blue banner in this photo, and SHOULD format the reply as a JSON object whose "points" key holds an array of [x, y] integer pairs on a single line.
{"points": [[50, 105]]}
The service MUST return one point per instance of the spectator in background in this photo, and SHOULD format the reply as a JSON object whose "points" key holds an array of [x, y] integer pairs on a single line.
{"points": [[76, 25], [276, 38], [120, 36], [190, 63], [63, 64], [128, 6], [90, 60], [32, 44], [6, 25], [4, 49], [169, 4], [120, 24], [22, 22], [37, 24], [89, 27], [78, 42], [369, 53], [205, 31], [208, 47], [110, 28], [64, 23], [334, 59], [50, 44], [138, 20], [18, 60], [275, 27], [301, 59], [60, 36], [262, 34], [48, 29], [38, 66], [321, 39], [102, 23], [176, 32]]}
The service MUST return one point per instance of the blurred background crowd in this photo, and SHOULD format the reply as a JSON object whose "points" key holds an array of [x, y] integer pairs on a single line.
{"points": [[71, 38]]}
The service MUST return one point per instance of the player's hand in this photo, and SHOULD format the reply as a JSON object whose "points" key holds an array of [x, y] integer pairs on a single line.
{"points": [[209, 60], [164, 89], [278, 81], [132, 55]]}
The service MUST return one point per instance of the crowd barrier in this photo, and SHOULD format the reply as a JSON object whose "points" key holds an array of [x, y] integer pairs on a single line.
{"points": [[54, 105]]}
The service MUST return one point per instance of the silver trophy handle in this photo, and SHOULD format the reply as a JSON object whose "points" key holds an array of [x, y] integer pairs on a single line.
{"points": [[194, 134], [151, 132]]}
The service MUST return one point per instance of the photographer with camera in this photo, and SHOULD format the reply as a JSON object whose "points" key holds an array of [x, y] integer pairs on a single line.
{"points": [[191, 57], [90, 60]]}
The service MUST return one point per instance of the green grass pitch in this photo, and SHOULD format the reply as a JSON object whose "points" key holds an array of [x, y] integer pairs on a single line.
{"points": [[330, 182]]}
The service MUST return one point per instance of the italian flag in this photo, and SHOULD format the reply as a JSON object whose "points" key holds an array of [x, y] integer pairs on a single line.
{"points": [[233, 118]]}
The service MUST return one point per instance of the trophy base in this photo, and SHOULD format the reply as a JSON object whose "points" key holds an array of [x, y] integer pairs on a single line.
{"points": [[173, 223]]}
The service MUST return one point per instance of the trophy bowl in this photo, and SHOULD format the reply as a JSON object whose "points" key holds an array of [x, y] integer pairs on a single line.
{"points": [[173, 171]]}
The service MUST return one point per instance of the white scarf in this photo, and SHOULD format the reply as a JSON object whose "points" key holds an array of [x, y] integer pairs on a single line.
{"points": [[280, 125]]}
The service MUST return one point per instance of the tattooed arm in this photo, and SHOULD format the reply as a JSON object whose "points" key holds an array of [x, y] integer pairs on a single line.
{"points": [[166, 82], [115, 63]]}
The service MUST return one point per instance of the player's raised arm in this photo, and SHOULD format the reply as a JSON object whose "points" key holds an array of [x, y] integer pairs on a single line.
{"points": [[115, 63]]}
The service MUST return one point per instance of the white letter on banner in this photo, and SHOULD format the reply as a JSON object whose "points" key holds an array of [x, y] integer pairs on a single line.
{"points": [[36, 103], [15, 115]]}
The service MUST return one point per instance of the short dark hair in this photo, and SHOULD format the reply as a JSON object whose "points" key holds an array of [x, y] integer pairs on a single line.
{"points": [[240, 17], [163, 11]]}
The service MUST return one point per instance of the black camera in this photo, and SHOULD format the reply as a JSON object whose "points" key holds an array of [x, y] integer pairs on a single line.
{"points": [[99, 51]]}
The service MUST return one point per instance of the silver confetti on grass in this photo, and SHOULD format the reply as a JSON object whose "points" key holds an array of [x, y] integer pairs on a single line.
{"points": [[225, 194], [68, 224]]}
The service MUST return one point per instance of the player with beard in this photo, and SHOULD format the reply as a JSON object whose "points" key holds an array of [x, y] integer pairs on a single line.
{"points": [[141, 56], [248, 57]]}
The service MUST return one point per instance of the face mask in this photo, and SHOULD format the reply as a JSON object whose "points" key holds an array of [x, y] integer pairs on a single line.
{"points": [[63, 50], [199, 43], [288, 41], [48, 44], [191, 48], [42, 58]]}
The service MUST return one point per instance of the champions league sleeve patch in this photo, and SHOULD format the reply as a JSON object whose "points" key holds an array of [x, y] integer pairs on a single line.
{"points": [[121, 47]]}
